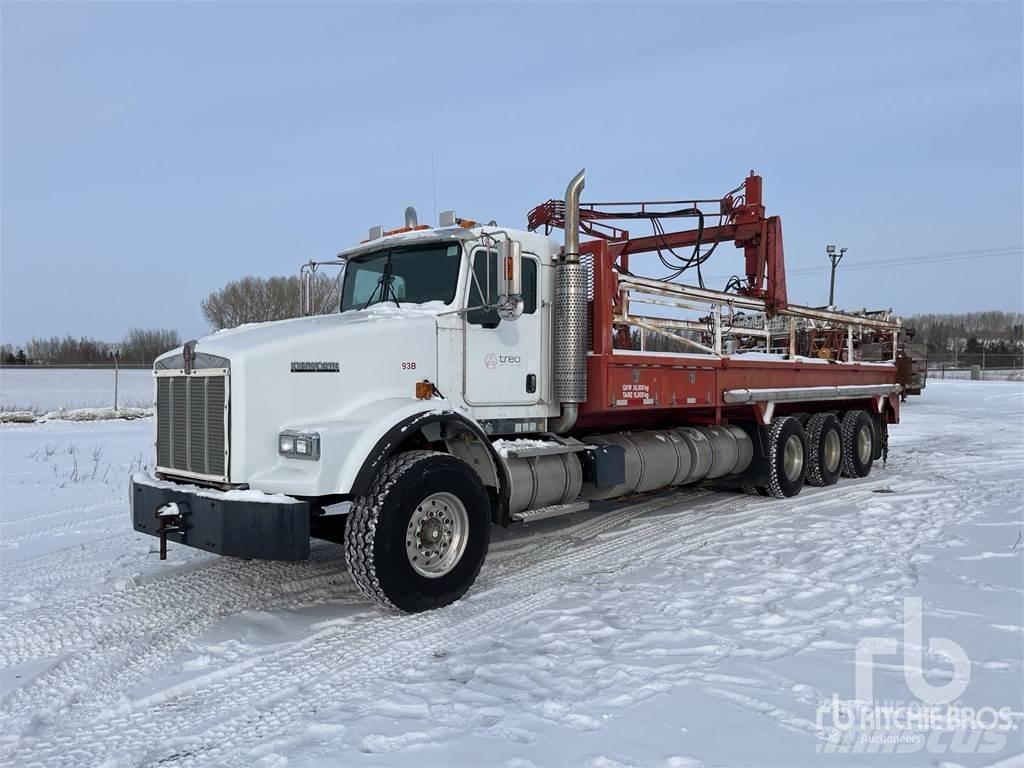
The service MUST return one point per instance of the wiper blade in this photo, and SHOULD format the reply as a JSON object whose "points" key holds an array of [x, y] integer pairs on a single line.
{"points": [[369, 301], [385, 284], [391, 285]]}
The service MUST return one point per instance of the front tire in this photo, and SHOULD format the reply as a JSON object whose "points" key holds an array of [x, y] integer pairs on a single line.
{"points": [[417, 540]]}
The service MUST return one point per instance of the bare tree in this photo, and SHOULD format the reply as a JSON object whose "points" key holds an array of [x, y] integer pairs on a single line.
{"points": [[144, 345], [68, 350], [260, 299]]}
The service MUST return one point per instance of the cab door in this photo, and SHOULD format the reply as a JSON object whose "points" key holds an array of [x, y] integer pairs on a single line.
{"points": [[503, 357]]}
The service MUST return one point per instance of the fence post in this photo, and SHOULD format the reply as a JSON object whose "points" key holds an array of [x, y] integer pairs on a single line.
{"points": [[116, 374]]}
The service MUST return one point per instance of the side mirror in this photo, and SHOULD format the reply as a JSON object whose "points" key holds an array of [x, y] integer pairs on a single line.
{"points": [[510, 280]]}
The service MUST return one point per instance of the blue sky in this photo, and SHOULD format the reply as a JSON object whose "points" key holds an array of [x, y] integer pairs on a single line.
{"points": [[153, 151]]}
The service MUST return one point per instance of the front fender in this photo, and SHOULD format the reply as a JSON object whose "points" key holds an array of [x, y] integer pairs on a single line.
{"points": [[352, 451], [345, 446], [492, 470]]}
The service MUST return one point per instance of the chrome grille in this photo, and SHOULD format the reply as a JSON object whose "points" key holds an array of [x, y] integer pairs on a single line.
{"points": [[191, 424]]}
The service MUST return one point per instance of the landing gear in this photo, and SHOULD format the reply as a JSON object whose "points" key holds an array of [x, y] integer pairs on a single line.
{"points": [[824, 449], [417, 540], [858, 443]]}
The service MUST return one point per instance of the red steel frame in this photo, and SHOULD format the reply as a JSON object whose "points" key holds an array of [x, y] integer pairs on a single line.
{"points": [[744, 222], [649, 389], [627, 388]]}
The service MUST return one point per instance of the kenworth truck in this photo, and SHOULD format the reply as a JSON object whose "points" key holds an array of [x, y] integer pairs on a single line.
{"points": [[478, 375]]}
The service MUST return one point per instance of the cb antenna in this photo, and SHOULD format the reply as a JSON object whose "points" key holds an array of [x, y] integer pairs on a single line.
{"points": [[433, 182]]}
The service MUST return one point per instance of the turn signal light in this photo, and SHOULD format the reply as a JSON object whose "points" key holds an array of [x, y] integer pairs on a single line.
{"points": [[424, 390]]}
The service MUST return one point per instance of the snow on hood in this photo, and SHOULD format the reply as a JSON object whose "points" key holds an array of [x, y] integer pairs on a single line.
{"points": [[231, 340], [376, 312]]}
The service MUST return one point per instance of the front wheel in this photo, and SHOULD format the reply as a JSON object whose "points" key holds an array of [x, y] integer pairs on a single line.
{"points": [[417, 540]]}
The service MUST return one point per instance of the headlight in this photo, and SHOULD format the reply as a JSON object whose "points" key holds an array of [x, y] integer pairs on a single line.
{"points": [[299, 445]]}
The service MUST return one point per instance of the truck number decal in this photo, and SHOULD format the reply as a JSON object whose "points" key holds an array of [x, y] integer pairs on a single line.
{"points": [[410, 366]]}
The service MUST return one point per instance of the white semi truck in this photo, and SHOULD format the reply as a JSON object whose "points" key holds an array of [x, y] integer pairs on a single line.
{"points": [[477, 375]]}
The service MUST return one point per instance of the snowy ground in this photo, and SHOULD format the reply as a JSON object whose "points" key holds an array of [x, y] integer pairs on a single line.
{"points": [[695, 628], [989, 374]]}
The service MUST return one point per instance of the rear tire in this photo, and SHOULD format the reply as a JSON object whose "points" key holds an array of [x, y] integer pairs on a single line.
{"points": [[858, 443], [787, 458], [417, 540], [824, 450]]}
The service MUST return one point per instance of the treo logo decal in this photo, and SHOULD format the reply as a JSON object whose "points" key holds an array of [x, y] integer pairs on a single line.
{"points": [[492, 360]]}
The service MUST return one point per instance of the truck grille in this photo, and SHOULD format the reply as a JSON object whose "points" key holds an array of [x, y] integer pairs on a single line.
{"points": [[191, 425]]}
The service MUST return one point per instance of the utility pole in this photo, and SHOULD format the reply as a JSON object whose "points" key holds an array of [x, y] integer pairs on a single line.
{"points": [[835, 257]]}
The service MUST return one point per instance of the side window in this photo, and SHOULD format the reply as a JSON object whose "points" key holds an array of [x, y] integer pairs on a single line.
{"points": [[529, 285], [485, 269]]}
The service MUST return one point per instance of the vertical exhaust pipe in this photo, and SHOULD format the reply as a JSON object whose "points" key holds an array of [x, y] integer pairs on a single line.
{"points": [[572, 217], [570, 324], [410, 218]]}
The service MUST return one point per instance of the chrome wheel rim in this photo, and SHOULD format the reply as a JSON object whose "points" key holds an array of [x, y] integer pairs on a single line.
{"points": [[864, 445], [436, 536], [793, 457], [832, 451]]}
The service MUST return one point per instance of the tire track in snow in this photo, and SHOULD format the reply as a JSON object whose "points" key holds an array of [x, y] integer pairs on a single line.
{"points": [[58, 530], [80, 618], [354, 653], [592, 527], [149, 630], [528, 592], [116, 638], [61, 512], [293, 685]]}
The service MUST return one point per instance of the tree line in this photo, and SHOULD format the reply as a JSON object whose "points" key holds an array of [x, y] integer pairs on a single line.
{"points": [[140, 346], [252, 299], [992, 330], [246, 300]]}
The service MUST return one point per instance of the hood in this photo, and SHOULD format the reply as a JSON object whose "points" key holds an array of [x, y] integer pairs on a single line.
{"points": [[314, 370], [226, 345]]}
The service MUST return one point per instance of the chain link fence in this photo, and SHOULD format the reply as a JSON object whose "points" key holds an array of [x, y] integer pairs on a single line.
{"points": [[43, 389], [981, 365]]}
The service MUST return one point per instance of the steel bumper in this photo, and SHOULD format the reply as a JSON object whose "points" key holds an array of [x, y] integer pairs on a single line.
{"points": [[217, 522]]}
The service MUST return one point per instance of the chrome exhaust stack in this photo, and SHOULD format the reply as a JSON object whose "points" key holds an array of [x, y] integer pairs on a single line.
{"points": [[570, 321]]}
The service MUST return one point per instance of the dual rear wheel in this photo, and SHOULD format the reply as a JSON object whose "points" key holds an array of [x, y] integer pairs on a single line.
{"points": [[815, 450]]}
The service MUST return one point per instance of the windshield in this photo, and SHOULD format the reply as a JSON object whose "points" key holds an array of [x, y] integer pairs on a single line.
{"points": [[402, 275]]}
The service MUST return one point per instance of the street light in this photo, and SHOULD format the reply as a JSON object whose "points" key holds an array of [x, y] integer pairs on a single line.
{"points": [[835, 257]]}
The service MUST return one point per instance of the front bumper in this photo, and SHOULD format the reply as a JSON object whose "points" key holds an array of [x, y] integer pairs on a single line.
{"points": [[231, 523]]}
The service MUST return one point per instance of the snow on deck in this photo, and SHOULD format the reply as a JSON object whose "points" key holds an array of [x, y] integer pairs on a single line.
{"points": [[690, 629]]}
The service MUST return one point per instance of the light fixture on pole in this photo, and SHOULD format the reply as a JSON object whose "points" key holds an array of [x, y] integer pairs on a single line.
{"points": [[835, 256]]}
